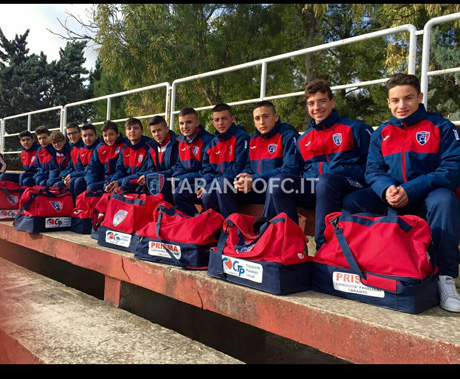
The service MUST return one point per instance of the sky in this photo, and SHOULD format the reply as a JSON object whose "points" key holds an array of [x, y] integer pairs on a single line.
{"points": [[38, 18]]}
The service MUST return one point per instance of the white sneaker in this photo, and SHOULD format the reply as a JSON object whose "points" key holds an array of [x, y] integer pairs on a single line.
{"points": [[450, 300]]}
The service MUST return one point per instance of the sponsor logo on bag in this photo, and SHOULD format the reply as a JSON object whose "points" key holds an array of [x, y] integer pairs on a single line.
{"points": [[119, 217], [7, 213], [117, 238], [160, 249], [242, 268], [57, 205], [351, 283], [57, 222], [13, 199]]}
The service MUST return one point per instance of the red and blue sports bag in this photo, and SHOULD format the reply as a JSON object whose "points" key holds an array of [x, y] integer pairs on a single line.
{"points": [[44, 209], [386, 261], [175, 238], [10, 194], [126, 213], [271, 258], [83, 214]]}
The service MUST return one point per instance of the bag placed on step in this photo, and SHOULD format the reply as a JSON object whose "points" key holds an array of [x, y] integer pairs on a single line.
{"points": [[10, 193], [269, 255], [126, 212], [44, 209], [175, 238], [386, 261], [83, 214]]}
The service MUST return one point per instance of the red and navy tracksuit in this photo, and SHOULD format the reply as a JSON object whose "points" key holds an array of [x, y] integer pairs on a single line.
{"points": [[131, 162], [77, 183], [60, 166], [103, 163], [188, 169], [27, 159], [224, 158], [270, 154], [420, 153], [161, 160], [42, 164], [75, 151], [333, 156]]}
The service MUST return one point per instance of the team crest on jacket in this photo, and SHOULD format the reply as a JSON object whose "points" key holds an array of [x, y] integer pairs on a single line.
{"points": [[57, 205], [119, 217], [337, 138], [195, 150], [272, 148], [140, 158], [422, 137]]}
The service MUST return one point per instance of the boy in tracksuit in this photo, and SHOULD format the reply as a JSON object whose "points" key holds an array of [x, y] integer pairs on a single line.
{"points": [[162, 157], [75, 180], [61, 161], [413, 166], [104, 159], [333, 153], [224, 158], [73, 133], [192, 142], [132, 158], [28, 155], [45, 153], [272, 151]]}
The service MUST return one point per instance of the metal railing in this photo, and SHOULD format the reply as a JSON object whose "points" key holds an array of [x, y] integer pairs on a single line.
{"points": [[119, 94], [29, 124], [171, 94], [263, 63], [426, 49]]}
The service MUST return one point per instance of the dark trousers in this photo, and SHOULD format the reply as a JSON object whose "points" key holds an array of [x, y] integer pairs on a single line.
{"points": [[324, 195]]}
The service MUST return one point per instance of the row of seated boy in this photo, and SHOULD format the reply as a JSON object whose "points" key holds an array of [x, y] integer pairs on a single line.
{"points": [[411, 163]]}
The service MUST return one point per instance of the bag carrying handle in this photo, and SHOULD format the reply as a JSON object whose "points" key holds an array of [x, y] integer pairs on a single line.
{"points": [[369, 279], [42, 191], [158, 227]]}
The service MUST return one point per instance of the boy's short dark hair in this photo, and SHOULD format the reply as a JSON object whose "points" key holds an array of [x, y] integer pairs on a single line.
{"points": [[266, 104], [133, 121], [403, 80], [110, 125], [89, 127], [222, 107], [42, 130], [25, 133], [72, 125], [318, 85], [158, 120], [186, 111], [57, 136]]}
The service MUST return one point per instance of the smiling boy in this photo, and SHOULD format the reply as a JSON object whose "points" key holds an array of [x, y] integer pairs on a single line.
{"points": [[28, 155], [103, 161], [133, 156], [333, 152], [414, 167]]}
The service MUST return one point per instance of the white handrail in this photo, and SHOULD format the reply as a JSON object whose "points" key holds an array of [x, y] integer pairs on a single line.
{"points": [[263, 62], [426, 53], [118, 94]]}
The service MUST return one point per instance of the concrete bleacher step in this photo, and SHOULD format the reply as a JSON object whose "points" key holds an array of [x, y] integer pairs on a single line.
{"points": [[44, 321]]}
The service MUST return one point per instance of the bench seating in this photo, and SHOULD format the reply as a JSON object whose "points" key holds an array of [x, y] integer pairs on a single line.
{"points": [[43, 321], [346, 329]]}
